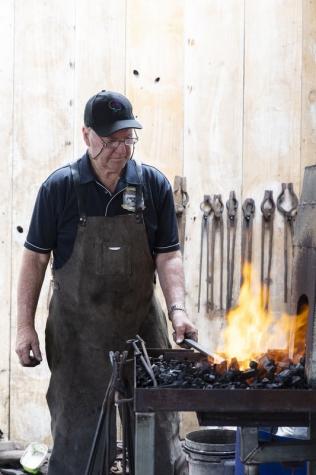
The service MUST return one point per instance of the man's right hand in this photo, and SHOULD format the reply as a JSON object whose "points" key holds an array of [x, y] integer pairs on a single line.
{"points": [[27, 347]]}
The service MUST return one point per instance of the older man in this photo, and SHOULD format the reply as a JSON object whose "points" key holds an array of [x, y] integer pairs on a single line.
{"points": [[110, 223]]}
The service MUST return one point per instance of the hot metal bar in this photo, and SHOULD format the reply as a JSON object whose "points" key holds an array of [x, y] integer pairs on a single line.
{"points": [[194, 344]]}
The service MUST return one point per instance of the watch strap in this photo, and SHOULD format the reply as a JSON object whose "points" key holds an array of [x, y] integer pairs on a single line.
{"points": [[174, 307]]}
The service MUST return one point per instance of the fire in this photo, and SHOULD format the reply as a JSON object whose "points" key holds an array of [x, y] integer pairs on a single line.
{"points": [[252, 330]]}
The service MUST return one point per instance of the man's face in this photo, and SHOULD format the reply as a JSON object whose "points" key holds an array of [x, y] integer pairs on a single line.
{"points": [[114, 153]]}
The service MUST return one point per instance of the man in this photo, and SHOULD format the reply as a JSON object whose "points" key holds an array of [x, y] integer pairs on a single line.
{"points": [[110, 223]]}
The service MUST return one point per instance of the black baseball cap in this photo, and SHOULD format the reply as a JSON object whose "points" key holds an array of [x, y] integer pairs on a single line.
{"points": [[107, 112]]}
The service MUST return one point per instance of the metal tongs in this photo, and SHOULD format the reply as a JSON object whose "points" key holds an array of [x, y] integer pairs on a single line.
{"points": [[143, 356], [216, 358]]}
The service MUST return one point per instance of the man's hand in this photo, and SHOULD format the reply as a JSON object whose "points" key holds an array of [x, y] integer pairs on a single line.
{"points": [[27, 347], [183, 327]]}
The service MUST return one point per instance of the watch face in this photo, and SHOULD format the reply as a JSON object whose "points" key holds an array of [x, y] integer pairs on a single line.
{"points": [[176, 307]]}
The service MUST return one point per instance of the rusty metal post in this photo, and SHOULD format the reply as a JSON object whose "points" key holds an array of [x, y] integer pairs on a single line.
{"points": [[303, 286]]}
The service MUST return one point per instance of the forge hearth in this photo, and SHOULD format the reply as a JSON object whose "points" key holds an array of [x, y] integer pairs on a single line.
{"points": [[223, 406], [248, 408]]}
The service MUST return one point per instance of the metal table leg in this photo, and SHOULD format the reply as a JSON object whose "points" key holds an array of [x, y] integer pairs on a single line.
{"points": [[311, 466], [248, 443], [251, 469], [144, 443]]}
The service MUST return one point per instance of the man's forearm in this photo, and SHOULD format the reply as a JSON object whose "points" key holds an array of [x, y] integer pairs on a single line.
{"points": [[31, 278], [171, 277]]}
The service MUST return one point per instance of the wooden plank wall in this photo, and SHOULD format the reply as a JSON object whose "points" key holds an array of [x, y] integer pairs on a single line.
{"points": [[43, 129], [213, 95], [154, 80], [99, 55], [272, 115], [6, 131], [308, 104], [226, 93]]}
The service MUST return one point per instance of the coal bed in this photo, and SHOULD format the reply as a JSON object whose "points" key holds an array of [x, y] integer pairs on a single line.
{"points": [[264, 373]]}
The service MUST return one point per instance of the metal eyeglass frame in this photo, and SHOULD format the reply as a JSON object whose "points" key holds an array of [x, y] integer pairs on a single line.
{"points": [[119, 142]]}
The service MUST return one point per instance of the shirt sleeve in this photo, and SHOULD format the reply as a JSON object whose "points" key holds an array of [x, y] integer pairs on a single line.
{"points": [[42, 232], [167, 239]]}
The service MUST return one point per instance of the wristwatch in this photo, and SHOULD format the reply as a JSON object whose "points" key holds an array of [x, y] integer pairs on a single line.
{"points": [[174, 307]]}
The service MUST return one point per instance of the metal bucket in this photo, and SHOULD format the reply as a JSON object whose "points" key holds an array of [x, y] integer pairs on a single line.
{"points": [[211, 451]]}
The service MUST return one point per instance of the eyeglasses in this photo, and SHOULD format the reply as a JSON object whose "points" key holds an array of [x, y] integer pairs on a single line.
{"points": [[113, 144]]}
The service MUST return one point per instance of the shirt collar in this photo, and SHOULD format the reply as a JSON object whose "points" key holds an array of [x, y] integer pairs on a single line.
{"points": [[129, 174], [86, 171]]}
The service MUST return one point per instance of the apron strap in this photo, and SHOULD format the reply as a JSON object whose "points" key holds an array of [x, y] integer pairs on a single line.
{"points": [[74, 168], [139, 205]]}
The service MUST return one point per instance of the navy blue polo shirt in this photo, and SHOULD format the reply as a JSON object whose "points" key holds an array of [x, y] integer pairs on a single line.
{"points": [[55, 216]]}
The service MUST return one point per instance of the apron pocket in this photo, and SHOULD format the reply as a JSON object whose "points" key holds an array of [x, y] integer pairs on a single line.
{"points": [[114, 260]]}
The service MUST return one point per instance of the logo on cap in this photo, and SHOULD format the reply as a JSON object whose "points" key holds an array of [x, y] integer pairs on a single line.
{"points": [[115, 106]]}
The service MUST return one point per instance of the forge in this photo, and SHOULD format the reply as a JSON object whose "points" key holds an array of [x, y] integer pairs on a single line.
{"points": [[246, 406]]}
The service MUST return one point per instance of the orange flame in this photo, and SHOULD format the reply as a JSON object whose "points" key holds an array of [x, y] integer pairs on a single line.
{"points": [[252, 330]]}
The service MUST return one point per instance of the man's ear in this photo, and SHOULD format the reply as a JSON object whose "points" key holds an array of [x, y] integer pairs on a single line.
{"points": [[85, 134]]}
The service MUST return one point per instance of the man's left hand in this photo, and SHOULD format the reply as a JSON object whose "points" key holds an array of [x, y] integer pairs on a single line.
{"points": [[183, 327]]}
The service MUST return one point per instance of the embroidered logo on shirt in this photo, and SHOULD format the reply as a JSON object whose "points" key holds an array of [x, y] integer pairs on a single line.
{"points": [[129, 199]]}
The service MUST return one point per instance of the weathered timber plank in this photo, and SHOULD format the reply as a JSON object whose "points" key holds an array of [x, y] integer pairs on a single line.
{"points": [[212, 136], [6, 128], [308, 135], [99, 57], [154, 79], [43, 116], [272, 119]]}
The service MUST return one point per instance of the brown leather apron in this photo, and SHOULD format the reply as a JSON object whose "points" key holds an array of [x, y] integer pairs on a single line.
{"points": [[103, 296]]}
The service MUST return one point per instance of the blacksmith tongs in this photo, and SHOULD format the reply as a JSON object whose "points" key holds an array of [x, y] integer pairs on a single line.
{"points": [[193, 344]]}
